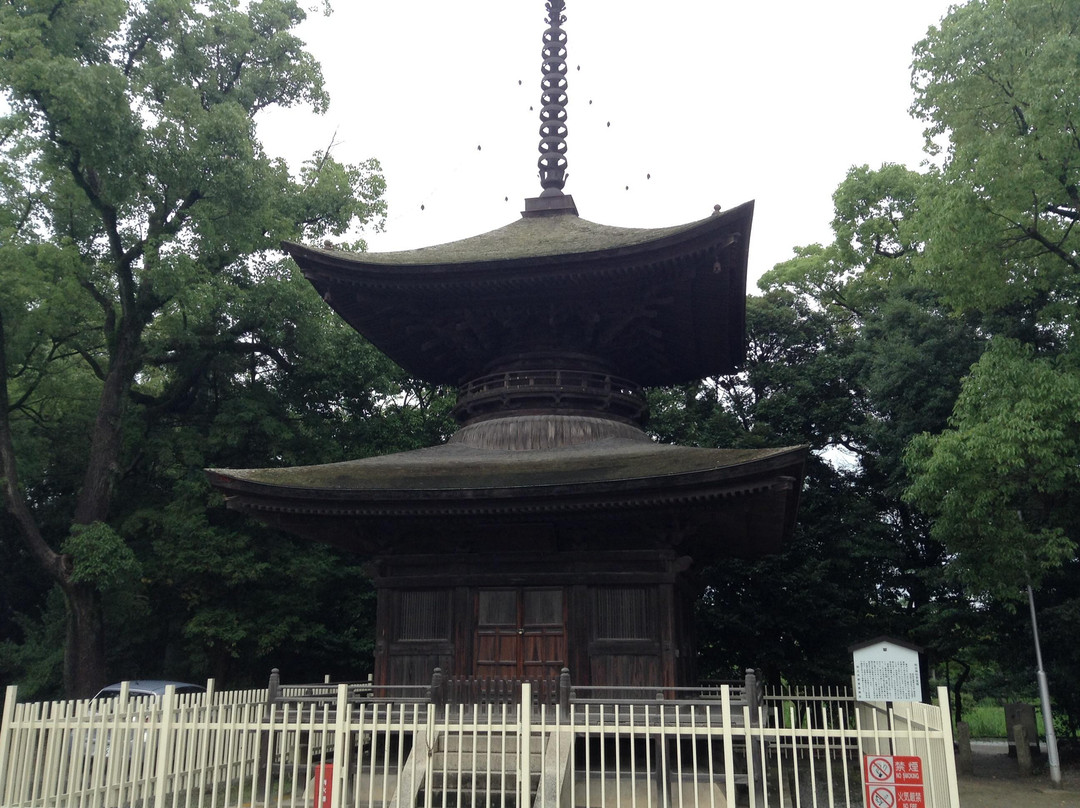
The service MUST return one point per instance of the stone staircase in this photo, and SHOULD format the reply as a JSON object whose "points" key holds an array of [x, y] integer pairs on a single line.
{"points": [[473, 769], [467, 769]]}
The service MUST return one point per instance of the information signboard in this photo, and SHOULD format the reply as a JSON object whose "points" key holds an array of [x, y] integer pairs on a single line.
{"points": [[886, 670], [894, 781]]}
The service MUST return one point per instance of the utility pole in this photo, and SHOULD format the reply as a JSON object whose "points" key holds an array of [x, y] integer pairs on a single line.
{"points": [[1044, 697]]}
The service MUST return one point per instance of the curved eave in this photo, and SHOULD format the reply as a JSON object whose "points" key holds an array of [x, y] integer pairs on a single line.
{"points": [[741, 502], [553, 243], [747, 508], [778, 471], [658, 306], [639, 493]]}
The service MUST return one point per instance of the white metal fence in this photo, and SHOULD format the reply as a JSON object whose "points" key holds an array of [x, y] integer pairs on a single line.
{"points": [[237, 749]]}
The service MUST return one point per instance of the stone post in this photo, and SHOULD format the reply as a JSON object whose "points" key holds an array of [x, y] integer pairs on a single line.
{"points": [[1023, 750], [437, 696], [753, 697], [274, 688], [564, 692], [965, 762]]}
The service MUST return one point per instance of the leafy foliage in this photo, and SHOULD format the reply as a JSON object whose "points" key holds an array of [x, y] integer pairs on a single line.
{"points": [[927, 355], [99, 556], [999, 481], [142, 301], [849, 356], [994, 84]]}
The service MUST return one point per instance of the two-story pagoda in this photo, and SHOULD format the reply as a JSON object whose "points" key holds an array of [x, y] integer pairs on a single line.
{"points": [[550, 530]]}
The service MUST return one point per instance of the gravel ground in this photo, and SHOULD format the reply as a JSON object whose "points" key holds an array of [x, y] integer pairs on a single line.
{"points": [[996, 783]]}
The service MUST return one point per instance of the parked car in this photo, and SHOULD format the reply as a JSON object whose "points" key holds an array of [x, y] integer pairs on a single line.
{"points": [[137, 688], [148, 687]]}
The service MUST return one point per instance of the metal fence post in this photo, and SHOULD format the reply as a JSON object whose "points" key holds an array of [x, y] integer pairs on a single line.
{"points": [[339, 776], [10, 697], [729, 747], [947, 741], [164, 744], [525, 744]]}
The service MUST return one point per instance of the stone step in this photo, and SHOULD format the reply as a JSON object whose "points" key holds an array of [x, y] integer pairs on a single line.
{"points": [[480, 744], [474, 789], [600, 791], [452, 762]]}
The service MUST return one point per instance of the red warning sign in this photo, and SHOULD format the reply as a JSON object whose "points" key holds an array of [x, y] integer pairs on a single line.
{"points": [[881, 797], [894, 781]]}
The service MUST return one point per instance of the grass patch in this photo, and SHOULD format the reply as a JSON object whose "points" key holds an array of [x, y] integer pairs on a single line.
{"points": [[987, 720]]}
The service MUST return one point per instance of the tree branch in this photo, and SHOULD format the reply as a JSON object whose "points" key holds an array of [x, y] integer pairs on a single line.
{"points": [[1065, 213], [54, 563], [1053, 248]]}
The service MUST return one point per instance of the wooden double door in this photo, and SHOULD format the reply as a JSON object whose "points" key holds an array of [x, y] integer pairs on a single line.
{"points": [[520, 632]]}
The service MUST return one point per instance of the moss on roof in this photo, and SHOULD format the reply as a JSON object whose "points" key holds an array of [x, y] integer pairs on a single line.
{"points": [[528, 237], [453, 467]]}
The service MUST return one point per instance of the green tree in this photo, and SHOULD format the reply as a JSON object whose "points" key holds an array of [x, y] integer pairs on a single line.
{"points": [[942, 317], [996, 84], [850, 352], [237, 597], [1000, 481], [795, 613], [137, 210]]}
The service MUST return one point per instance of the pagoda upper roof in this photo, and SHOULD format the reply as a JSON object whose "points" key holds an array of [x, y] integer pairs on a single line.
{"points": [[528, 240], [655, 305]]}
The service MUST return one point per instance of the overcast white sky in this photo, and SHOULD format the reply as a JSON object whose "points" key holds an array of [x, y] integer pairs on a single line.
{"points": [[674, 106]]}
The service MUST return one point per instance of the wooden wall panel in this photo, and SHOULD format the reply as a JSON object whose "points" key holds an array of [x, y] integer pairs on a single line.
{"points": [[420, 632], [625, 645], [625, 670], [416, 668], [629, 625], [423, 614], [625, 613]]}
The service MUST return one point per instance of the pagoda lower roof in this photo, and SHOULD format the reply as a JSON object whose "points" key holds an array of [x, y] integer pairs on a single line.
{"points": [[616, 474], [654, 305], [453, 472]]}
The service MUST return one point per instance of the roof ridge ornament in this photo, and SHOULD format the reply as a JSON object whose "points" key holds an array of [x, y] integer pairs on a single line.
{"points": [[552, 162]]}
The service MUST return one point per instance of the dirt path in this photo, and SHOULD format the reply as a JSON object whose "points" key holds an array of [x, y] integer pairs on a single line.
{"points": [[997, 784]]}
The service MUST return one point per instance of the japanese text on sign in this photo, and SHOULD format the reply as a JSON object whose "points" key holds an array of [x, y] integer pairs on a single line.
{"points": [[894, 781], [887, 680]]}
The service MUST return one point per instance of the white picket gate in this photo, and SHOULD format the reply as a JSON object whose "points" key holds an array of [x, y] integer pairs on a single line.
{"points": [[236, 749]]}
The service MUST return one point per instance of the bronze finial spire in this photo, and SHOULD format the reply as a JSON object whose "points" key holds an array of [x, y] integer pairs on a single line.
{"points": [[552, 162]]}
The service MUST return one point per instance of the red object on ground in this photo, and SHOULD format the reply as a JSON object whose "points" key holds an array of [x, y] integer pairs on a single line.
{"points": [[324, 785]]}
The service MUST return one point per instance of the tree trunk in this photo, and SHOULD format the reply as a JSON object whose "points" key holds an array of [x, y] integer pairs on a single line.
{"points": [[95, 497], [84, 649], [958, 690], [84, 645]]}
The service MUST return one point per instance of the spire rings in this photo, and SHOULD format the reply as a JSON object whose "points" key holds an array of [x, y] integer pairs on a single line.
{"points": [[552, 162]]}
